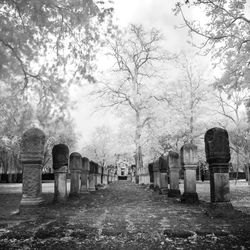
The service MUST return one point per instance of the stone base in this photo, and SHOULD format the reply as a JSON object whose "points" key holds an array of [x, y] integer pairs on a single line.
{"points": [[60, 198], [91, 189], [163, 191], [174, 193], [84, 191], [221, 210], [74, 195], [221, 205], [189, 198], [31, 201]]}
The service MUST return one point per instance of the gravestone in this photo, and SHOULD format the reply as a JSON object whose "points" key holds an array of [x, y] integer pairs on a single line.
{"points": [[75, 167], [60, 156], [109, 176], [91, 176], [151, 173], [156, 170], [31, 158], [218, 157], [105, 176], [99, 175], [174, 174], [84, 175], [189, 163], [133, 173], [163, 167]]}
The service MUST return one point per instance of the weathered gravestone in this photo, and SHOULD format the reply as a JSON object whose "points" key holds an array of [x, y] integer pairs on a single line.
{"points": [[85, 175], [151, 173], [174, 174], [189, 163], [91, 176], [163, 167], [105, 176], [133, 173], [109, 176], [218, 157], [75, 167], [99, 175], [31, 157], [60, 156], [129, 175], [96, 174], [156, 170]]}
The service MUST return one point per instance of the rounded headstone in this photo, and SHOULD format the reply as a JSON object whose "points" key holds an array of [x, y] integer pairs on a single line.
{"points": [[188, 154], [75, 161], [156, 166], [163, 164], [32, 146], [60, 156], [85, 164], [91, 167], [217, 146]]}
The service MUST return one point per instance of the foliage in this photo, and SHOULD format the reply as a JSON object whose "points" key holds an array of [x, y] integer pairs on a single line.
{"points": [[227, 35], [99, 148], [44, 47]]}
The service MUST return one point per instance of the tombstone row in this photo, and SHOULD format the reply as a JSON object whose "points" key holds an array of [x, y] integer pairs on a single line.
{"points": [[164, 172], [85, 175]]}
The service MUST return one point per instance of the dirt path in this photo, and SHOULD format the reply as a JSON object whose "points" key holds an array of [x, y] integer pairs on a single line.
{"points": [[124, 216]]}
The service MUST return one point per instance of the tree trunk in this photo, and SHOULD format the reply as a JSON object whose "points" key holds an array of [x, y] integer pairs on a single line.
{"points": [[248, 173], [138, 132]]}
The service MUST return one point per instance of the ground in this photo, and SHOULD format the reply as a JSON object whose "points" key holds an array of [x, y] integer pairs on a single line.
{"points": [[124, 215]]}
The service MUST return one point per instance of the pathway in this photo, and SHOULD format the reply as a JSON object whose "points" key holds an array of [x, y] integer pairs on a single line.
{"points": [[124, 216]]}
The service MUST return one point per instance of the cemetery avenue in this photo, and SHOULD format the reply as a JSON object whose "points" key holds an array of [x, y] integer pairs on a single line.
{"points": [[124, 124], [123, 215]]}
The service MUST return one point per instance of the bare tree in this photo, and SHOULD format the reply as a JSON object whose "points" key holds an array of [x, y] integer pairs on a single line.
{"points": [[136, 53]]}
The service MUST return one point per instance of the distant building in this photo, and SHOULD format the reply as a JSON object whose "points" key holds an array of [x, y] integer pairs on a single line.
{"points": [[122, 171], [123, 167]]}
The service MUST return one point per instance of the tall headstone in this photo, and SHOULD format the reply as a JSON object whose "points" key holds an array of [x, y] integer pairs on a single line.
{"points": [[218, 157], [75, 167], [151, 173], [174, 174], [156, 170], [60, 156], [84, 175], [91, 176], [133, 173], [99, 175], [248, 173], [163, 167], [31, 158], [105, 176], [189, 163], [109, 176]]}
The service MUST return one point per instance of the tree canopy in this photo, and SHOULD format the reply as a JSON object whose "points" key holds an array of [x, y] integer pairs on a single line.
{"points": [[226, 35]]}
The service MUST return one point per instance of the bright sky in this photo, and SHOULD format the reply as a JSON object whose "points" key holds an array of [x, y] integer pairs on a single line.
{"points": [[149, 13]]}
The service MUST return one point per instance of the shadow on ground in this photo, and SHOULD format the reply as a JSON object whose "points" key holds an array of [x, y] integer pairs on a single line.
{"points": [[122, 216]]}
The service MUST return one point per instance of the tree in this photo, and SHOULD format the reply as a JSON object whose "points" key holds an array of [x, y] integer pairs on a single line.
{"points": [[226, 34], [32, 30], [182, 116], [231, 106], [44, 47], [135, 53], [188, 96], [100, 148]]}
